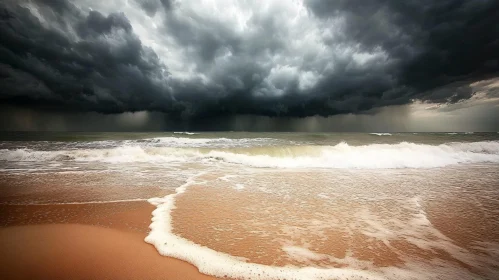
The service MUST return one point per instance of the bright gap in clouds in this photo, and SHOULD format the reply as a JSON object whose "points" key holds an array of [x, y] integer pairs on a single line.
{"points": [[241, 24]]}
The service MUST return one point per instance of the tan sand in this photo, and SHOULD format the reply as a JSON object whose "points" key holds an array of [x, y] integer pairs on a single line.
{"points": [[80, 241], [105, 240], [83, 241], [84, 252]]}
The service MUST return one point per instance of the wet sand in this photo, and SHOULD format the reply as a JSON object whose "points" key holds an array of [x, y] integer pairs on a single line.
{"points": [[74, 251], [49, 231], [79, 187], [124, 216], [448, 235], [83, 241]]}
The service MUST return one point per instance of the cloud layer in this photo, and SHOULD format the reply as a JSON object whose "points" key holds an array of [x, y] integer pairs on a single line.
{"points": [[211, 59]]}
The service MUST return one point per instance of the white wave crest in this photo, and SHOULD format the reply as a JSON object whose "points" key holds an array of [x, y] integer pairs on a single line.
{"points": [[182, 142], [381, 134], [185, 132], [402, 155]]}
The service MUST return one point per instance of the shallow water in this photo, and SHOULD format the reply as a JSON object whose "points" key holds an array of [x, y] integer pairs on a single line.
{"points": [[284, 205]]}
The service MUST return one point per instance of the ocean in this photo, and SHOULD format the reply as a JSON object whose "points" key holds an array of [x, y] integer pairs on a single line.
{"points": [[284, 205]]}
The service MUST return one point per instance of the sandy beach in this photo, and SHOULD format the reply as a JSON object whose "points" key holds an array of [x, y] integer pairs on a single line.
{"points": [[251, 208], [68, 227], [84, 241]]}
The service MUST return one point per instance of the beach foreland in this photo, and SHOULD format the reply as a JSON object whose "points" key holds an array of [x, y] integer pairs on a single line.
{"points": [[83, 241], [250, 206]]}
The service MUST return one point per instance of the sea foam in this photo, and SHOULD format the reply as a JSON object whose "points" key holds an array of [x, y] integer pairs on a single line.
{"points": [[211, 262], [185, 132], [342, 155], [417, 230]]}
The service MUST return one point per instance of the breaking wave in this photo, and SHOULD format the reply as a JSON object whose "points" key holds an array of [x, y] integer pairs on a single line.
{"points": [[342, 155], [181, 142], [185, 132]]}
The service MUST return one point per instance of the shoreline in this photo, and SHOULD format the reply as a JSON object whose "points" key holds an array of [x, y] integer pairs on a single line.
{"points": [[84, 241], [112, 232]]}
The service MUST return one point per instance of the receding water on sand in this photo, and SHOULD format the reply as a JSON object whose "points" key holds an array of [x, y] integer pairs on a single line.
{"points": [[288, 206], [327, 223]]}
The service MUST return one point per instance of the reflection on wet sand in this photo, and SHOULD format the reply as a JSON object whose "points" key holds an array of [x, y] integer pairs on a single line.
{"points": [[290, 218]]}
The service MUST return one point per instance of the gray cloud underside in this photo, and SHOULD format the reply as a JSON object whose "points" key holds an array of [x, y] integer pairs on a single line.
{"points": [[273, 59]]}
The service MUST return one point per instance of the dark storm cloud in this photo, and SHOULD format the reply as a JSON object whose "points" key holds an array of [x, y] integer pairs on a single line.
{"points": [[84, 61], [96, 24], [152, 6], [433, 43], [272, 58]]}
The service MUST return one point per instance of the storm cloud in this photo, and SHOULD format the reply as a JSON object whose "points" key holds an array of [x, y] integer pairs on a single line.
{"points": [[216, 59]]}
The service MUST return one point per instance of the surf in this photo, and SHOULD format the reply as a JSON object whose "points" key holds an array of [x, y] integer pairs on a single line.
{"points": [[339, 156]]}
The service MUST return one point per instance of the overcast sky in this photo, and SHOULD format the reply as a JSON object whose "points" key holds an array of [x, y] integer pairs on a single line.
{"points": [[347, 65]]}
